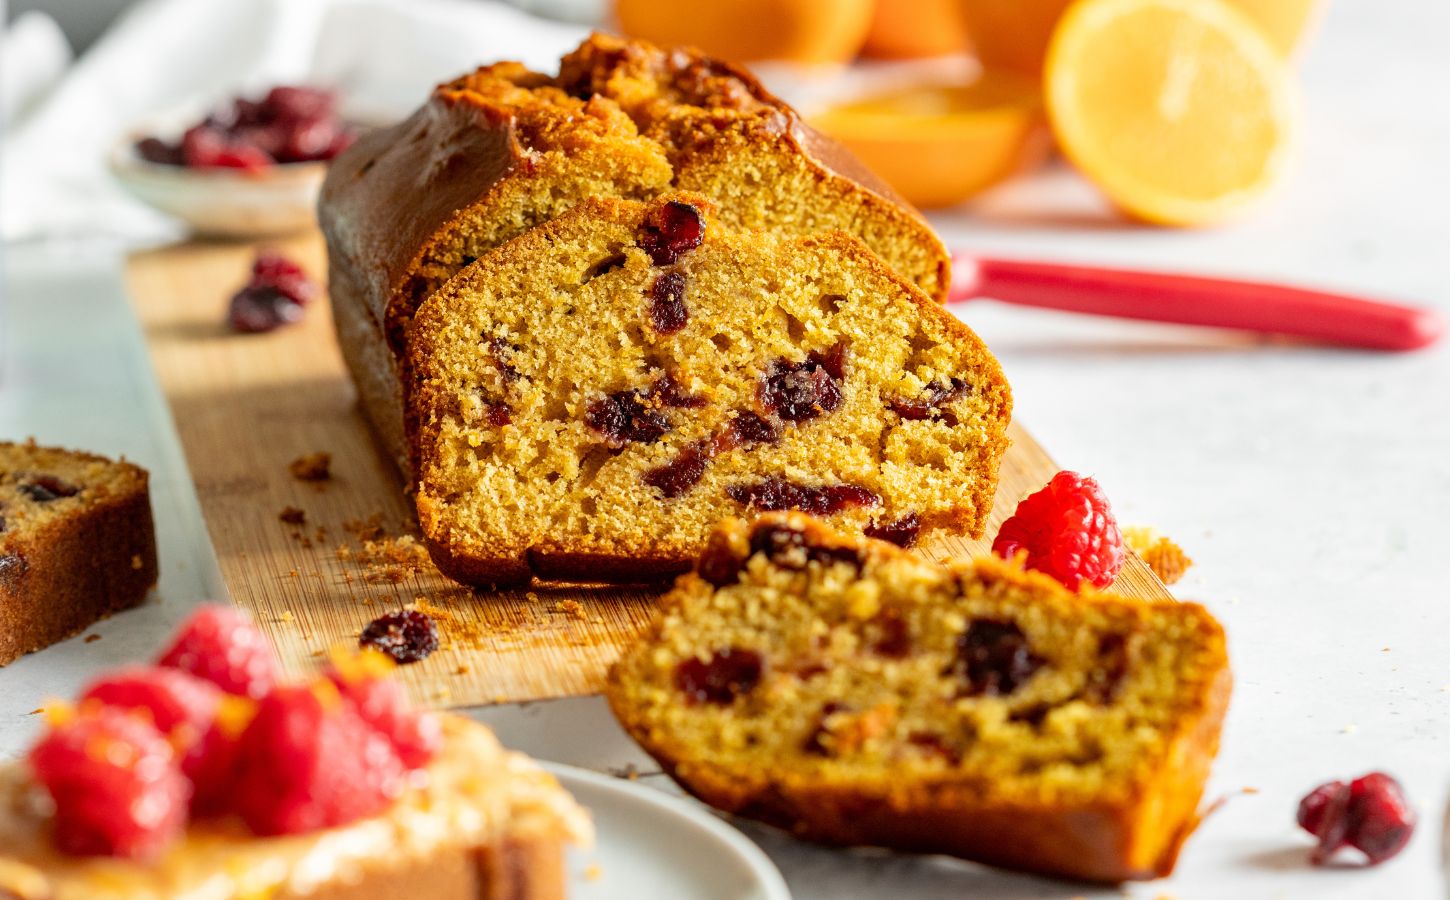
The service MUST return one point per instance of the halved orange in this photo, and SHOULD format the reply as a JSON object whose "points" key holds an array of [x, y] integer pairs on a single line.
{"points": [[1179, 110], [938, 145]]}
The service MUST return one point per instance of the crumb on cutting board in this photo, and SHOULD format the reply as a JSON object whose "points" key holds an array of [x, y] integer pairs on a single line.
{"points": [[312, 467], [1158, 552], [292, 515]]}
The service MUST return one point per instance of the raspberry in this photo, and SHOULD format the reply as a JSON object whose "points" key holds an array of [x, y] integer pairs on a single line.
{"points": [[117, 788], [309, 761], [223, 646], [1067, 530], [363, 680], [186, 710], [1370, 814]]}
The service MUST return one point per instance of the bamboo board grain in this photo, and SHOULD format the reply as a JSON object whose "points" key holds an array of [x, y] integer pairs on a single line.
{"points": [[246, 405]]}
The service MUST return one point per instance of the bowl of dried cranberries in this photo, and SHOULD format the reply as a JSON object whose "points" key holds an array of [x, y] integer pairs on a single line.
{"points": [[250, 169]]}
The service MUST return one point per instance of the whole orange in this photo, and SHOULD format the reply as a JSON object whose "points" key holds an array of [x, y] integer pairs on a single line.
{"points": [[908, 29], [804, 31]]}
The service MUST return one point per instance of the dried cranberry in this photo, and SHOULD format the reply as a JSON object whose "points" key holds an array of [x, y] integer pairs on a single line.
{"points": [[622, 417], [995, 658], [902, 532], [500, 350], [934, 745], [800, 391], [499, 413], [813, 744], [771, 494], [670, 231], [298, 102], [158, 151], [790, 548], [45, 488], [272, 269], [669, 392], [667, 310], [1370, 814], [1106, 679], [727, 675], [718, 563], [894, 640], [406, 635], [682, 473], [930, 406], [258, 309], [747, 429]]}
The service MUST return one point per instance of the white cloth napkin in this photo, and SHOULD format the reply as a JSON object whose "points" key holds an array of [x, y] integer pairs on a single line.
{"points": [[163, 55]]}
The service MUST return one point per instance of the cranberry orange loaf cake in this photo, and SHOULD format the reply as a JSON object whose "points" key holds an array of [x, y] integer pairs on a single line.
{"points": [[76, 543], [159, 783], [664, 373], [855, 694], [503, 149]]}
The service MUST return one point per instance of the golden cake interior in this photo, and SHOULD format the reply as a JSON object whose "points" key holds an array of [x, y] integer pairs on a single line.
{"points": [[506, 391], [906, 673], [39, 485]]}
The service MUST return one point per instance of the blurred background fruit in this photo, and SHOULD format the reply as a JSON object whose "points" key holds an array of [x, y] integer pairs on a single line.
{"points": [[911, 29], [1180, 111], [803, 31], [939, 145], [1013, 34]]}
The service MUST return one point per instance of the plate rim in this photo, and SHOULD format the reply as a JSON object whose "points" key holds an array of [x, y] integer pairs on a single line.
{"points": [[768, 876]]}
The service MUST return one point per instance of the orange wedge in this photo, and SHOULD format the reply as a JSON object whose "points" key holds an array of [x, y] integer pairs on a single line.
{"points": [[938, 145], [1179, 110]]}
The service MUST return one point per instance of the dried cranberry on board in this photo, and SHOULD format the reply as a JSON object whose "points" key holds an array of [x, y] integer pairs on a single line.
{"points": [[407, 635], [1370, 814], [276, 294]]}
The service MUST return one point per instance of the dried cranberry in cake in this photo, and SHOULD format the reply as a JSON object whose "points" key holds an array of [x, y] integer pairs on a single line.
{"points": [[363, 681], [727, 675], [115, 784], [681, 473], [407, 635], [801, 391], [669, 392], [667, 310], [902, 532], [1114, 657], [773, 494], [222, 645], [623, 417], [188, 711], [747, 429], [994, 658], [791, 548], [1370, 814], [1066, 530], [929, 406], [670, 231], [719, 563], [502, 353], [814, 743], [893, 634], [499, 413], [45, 488], [309, 761]]}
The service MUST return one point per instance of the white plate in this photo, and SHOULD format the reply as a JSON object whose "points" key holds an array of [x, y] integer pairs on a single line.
{"points": [[652, 845]]}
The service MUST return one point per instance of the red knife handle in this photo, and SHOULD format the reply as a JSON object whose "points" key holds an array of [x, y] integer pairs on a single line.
{"points": [[1191, 300]]}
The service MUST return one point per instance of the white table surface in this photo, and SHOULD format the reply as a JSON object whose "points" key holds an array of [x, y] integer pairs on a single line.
{"points": [[1311, 485]]}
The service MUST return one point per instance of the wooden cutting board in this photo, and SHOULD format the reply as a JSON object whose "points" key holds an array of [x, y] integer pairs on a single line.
{"points": [[247, 405]]}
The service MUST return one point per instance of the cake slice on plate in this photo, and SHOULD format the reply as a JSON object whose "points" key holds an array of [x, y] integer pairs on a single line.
{"points": [[201, 778], [77, 543], [855, 694], [593, 396]]}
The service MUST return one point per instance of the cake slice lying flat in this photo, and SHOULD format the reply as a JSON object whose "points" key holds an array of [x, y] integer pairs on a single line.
{"points": [[592, 397], [858, 695], [77, 543]]}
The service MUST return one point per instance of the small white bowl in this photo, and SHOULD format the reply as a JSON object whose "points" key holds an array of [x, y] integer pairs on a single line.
{"points": [[221, 202]]}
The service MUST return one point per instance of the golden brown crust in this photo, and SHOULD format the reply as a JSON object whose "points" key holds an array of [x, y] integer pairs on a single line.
{"points": [[1124, 831], [512, 555], [79, 566]]}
